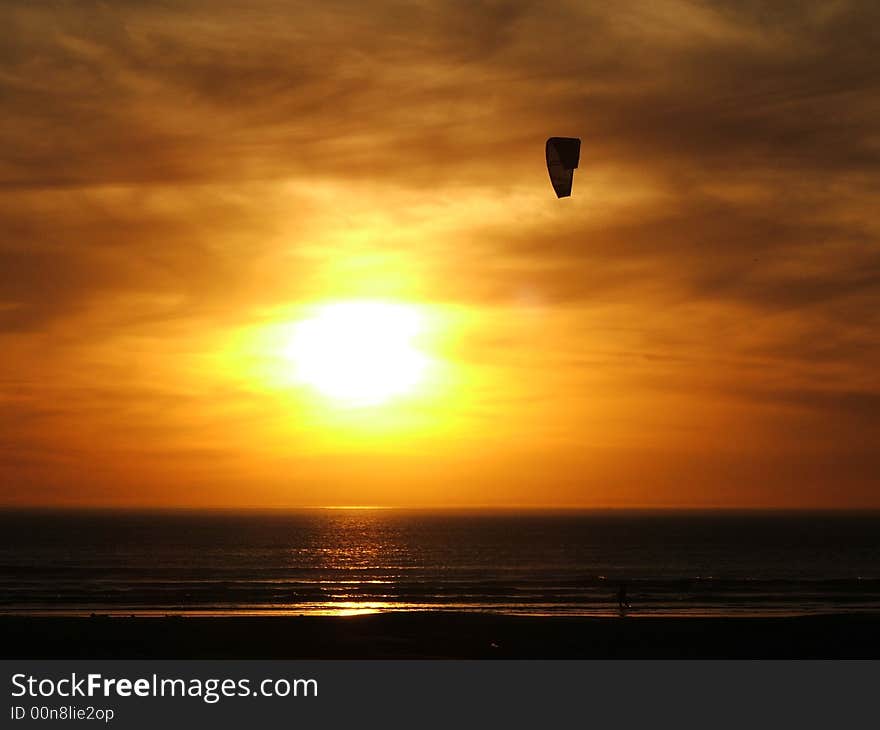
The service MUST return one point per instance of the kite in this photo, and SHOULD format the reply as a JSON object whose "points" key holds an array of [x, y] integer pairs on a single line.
{"points": [[563, 154]]}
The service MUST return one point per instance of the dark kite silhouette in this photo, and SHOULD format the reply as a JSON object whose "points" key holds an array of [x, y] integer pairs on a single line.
{"points": [[563, 154]]}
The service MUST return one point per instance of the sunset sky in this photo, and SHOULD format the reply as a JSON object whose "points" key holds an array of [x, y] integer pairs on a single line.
{"points": [[195, 193]]}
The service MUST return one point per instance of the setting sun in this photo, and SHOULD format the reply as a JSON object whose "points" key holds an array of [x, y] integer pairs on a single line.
{"points": [[358, 352]]}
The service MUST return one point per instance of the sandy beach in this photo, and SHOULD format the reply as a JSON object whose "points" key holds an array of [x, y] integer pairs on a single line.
{"points": [[443, 636]]}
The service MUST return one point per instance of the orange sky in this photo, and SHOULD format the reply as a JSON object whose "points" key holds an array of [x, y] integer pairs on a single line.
{"points": [[182, 183]]}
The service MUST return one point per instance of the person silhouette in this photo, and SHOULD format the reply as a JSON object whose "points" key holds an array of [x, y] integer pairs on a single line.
{"points": [[622, 600]]}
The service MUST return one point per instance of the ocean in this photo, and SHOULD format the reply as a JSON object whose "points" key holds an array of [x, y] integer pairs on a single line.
{"points": [[359, 561]]}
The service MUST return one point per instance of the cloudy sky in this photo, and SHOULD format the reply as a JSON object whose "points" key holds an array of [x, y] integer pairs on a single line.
{"points": [[698, 325]]}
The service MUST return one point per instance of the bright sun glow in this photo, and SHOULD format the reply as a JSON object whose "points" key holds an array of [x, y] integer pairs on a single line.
{"points": [[359, 352]]}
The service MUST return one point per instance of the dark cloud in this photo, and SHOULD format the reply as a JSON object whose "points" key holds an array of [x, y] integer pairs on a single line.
{"points": [[144, 92]]}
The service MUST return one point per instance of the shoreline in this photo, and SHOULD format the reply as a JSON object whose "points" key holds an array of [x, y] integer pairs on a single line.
{"points": [[443, 635], [296, 613]]}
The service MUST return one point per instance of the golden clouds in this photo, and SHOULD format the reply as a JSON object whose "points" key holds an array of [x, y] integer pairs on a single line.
{"points": [[177, 173]]}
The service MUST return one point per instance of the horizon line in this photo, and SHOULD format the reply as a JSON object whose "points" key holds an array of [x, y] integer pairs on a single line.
{"points": [[433, 508]]}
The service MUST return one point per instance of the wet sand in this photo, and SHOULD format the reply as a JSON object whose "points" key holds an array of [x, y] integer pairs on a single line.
{"points": [[441, 635]]}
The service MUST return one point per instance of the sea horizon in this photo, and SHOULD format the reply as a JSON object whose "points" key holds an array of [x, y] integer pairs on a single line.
{"points": [[440, 509], [351, 561]]}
